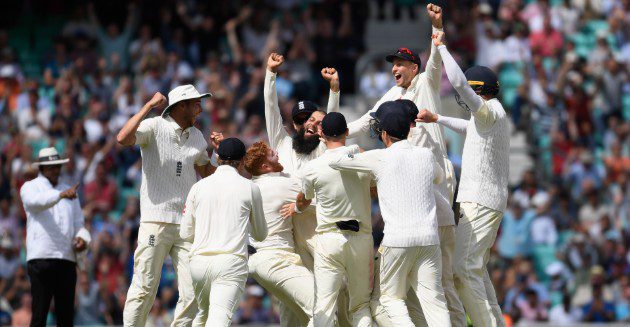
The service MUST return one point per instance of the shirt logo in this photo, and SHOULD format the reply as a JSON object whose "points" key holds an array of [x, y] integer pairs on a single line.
{"points": [[301, 105], [178, 170], [151, 240], [350, 155]]}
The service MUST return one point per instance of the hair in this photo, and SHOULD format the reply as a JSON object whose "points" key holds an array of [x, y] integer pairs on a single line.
{"points": [[255, 157], [231, 163], [337, 138]]}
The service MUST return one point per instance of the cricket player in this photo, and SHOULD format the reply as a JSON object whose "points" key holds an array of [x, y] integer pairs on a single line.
{"points": [[220, 211], [295, 151], [423, 89], [483, 185], [275, 265], [410, 256], [344, 242], [173, 152]]}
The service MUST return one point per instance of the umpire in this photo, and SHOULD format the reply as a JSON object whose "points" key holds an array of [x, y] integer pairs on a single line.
{"points": [[54, 233]]}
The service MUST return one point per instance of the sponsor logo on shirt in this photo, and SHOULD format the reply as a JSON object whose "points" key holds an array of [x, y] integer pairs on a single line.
{"points": [[178, 171]]}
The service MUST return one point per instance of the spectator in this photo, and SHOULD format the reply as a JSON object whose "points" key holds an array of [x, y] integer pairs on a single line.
{"points": [[530, 309], [543, 230], [514, 240], [22, 316], [599, 310], [563, 315], [252, 310]]}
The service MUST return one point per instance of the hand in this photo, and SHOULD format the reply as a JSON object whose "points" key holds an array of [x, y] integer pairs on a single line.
{"points": [[425, 116], [331, 75], [158, 100], [70, 193], [435, 14], [79, 244], [215, 139], [275, 60], [288, 210], [438, 38]]}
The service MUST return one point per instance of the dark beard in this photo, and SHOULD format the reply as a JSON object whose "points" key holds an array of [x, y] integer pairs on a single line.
{"points": [[303, 145]]}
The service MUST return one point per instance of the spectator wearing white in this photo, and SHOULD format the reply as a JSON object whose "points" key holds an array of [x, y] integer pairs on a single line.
{"points": [[543, 229], [54, 237], [295, 151], [275, 264], [423, 89], [173, 152], [343, 248], [220, 211], [410, 253], [483, 185]]}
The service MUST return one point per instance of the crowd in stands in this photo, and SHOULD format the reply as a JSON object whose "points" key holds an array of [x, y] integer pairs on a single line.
{"points": [[563, 251]]}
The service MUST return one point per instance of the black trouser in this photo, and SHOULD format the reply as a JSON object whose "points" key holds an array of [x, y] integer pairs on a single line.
{"points": [[52, 278]]}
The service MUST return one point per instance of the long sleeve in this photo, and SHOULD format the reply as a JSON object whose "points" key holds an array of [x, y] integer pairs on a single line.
{"points": [[366, 162], [458, 80], [257, 216], [333, 101], [433, 67], [38, 200], [77, 216], [439, 173], [307, 184], [273, 118], [187, 227], [457, 124]]}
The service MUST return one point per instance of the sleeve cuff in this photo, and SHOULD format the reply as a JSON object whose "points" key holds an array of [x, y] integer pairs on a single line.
{"points": [[442, 46]]}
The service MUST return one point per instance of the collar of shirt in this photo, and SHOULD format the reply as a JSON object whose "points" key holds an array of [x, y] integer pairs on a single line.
{"points": [[41, 179], [274, 174], [402, 144], [178, 129], [335, 150], [226, 169]]}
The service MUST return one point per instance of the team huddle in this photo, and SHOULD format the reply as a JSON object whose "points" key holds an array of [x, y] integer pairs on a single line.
{"points": [[301, 227]]}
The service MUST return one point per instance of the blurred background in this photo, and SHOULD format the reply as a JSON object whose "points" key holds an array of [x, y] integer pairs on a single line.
{"points": [[72, 72]]}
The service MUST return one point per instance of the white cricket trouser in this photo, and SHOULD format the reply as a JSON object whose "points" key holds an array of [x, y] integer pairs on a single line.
{"points": [[420, 268], [476, 232], [282, 274], [219, 282], [155, 242], [304, 225], [455, 307], [339, 256]]}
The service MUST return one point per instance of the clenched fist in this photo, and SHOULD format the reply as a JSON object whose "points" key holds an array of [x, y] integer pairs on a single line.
{"points": [[425, 116], [215, 139], [158, 100], [435, 14], [331, 75], [275, 60], [70, 193]]}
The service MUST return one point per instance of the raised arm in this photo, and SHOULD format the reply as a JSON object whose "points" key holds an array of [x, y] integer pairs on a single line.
{"points": [[331, 75], [273, 118], [457, 124], [456, 76], [38, 200], [127, 135], [257, 216], [366, 162], [433, 68]]}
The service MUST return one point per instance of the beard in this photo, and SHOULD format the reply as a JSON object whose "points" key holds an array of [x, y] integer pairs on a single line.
{"points": [[303, 144], [276, 167]]}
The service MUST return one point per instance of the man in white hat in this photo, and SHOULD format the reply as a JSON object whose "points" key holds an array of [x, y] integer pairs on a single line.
{"points": [[54, 233], [172, 151]]}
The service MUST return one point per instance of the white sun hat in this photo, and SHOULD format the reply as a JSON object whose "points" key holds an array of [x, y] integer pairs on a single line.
{"points": [[182, 93], [48, 157]]}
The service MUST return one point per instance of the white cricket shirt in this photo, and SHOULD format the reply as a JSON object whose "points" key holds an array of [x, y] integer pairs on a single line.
{"points": [[340, 195], [220, 211], [169, 154], [277, 189], [405, 175]]}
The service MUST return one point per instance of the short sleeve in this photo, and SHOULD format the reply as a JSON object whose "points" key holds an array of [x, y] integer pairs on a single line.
{"points": [[145, 131]]}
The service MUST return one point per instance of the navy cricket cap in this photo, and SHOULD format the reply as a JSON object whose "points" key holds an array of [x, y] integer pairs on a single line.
{"points": [[483, 80], [302, 110], [334, 124], [410, 108], [387, 107], [231, 149], [396, 124], [404, 54]]}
